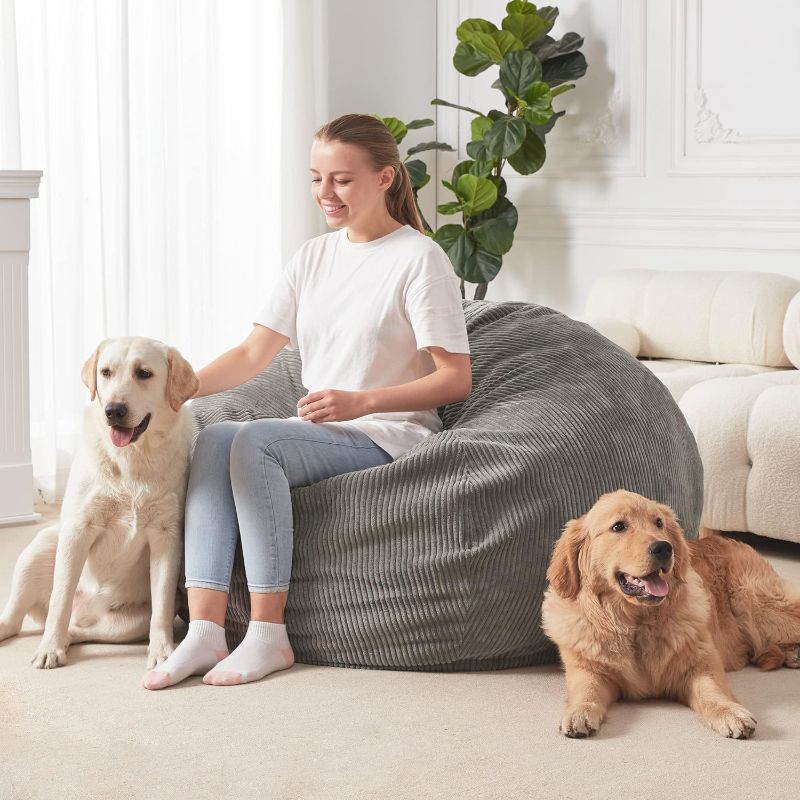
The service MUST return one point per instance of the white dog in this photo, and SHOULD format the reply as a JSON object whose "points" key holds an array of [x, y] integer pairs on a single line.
{"points": [[120, 535]]}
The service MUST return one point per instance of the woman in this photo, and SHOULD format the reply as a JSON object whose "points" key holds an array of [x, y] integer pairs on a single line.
{"points": [[375, 311]]}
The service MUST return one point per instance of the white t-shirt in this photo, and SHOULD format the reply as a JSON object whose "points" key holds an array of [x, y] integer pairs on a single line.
{"points": [[362, 314]]}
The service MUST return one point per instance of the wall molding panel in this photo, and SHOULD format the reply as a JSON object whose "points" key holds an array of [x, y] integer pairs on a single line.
{"points": [[719, 229], [703, 143]]}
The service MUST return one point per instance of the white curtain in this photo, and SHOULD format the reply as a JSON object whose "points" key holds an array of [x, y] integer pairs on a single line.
{"points": [[174, 139]]}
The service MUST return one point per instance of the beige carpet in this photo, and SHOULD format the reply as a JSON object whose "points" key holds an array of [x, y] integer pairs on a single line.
{"points": [[88, 730]]}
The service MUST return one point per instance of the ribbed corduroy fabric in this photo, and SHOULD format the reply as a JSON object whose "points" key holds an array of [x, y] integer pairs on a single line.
{"points": [[437, 560]]}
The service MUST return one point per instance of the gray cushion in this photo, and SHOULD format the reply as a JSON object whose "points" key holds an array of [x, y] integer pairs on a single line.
{"points": [[437, 560]]}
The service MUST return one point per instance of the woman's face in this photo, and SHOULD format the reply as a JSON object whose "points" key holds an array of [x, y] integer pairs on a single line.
{"points": [[345, 186]]}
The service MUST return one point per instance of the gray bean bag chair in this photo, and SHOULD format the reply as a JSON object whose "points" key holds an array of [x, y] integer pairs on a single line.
{"points": [[437, 560]]}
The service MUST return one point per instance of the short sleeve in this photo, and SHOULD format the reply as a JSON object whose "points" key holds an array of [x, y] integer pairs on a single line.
{"points": [[433, 306], [280, 310]]}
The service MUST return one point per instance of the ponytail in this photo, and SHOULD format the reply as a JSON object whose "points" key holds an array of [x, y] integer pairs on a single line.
{"points": [[400, 199]]}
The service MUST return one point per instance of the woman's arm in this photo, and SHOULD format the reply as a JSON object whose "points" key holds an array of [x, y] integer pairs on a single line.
{"points": [[451, 381], [241, 363]]}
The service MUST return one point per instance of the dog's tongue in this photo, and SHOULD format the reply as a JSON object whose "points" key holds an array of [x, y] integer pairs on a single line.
{"points": [[121, 436], [654, 584]]}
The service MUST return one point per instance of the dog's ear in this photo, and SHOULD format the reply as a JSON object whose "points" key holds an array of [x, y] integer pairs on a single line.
{"points": [[563, 573], [679, 546], [89, 370], [182, 383]]}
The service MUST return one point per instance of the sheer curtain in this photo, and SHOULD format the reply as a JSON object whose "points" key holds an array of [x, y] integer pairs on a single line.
{"points": [[174, 140]]}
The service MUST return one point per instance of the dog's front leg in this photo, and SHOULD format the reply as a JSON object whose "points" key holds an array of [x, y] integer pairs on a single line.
{"points": [[165, 564], [589, 695], [74, 543], [709, 694]]}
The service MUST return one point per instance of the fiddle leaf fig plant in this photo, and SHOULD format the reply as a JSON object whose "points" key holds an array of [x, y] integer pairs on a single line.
{"points": [[534, 68]]}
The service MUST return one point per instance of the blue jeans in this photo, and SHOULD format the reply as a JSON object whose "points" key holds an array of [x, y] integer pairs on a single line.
{"points": [[239, 482]]}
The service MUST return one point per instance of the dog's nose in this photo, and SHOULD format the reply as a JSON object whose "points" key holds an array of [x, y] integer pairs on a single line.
{"points": [[662, 550], [116, 412]]}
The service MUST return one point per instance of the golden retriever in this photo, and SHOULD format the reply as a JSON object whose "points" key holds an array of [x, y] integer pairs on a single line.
{"points": [[108, 571], [637, 611]]}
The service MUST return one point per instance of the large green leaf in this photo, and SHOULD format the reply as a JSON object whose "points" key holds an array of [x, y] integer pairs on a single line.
{"points": [[549, 14], [495, 46], [480, 267], [505, 137], [450, 186], [518, 71], [449, 208], [493, 236], [542, 130], [437, 102], [547, 48], [396, 127], [456, 242], [479, 127], [530, 157], [474, 25], [480, 168], [502, 188], [476, 193], [540, 103], [526, 27], [468, 60], [421, 148], [418, 172], [520, 7], [563, 68], [503, 209], [419, 123], [478, 151]]}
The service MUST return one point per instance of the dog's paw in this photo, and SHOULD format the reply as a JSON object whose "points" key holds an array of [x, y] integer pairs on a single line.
{"points": [[733, 721], [792, 655], [50, 655], [7, 630], [159, 649], [581, 721]]}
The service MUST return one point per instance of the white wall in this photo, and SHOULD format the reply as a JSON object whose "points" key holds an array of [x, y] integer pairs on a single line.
{"points": [[382, 57], [680, 148]]}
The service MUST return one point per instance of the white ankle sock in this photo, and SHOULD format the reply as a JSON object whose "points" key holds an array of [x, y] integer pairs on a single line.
{"points": [[203, 647], [264, 649]]}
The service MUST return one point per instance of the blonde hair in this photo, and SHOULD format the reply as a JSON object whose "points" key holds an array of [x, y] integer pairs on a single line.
{"points": [[372, 136]]}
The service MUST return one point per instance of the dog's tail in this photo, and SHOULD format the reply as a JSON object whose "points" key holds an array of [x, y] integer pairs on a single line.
{"points": [[708, 533]]}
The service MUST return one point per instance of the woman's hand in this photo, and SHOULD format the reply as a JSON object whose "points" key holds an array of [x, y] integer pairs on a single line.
{"points": [[332, 405]]}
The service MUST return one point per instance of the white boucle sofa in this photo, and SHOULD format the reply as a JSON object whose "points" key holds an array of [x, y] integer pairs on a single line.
{"points": [[727, 346]]}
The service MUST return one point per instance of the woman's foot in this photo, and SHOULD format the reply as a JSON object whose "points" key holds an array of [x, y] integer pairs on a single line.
{"points": [[203, 647], [264, 649]]}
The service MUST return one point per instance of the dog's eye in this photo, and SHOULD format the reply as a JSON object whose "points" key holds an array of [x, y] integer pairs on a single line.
{"points": [[143, 374], [618, 527], [105, 372], [659, 523]]}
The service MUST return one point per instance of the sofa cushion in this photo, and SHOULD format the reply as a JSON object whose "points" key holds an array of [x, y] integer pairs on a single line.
{"points": [[623, 334], [680, 376], [791, 331], [728, 317]]}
